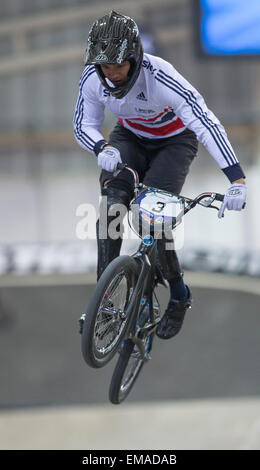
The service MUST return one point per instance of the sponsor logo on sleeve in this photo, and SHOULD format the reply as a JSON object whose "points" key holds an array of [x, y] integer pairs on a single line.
{"points": [[148, 65]]}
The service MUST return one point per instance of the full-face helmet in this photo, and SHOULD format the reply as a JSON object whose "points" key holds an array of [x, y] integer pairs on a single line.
{"points": [[113, 39]]}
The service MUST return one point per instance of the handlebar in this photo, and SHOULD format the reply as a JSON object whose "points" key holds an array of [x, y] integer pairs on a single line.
{"points": [[219, 197], [204, 199]]}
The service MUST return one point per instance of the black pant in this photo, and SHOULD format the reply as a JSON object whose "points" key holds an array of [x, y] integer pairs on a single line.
{"points": [[160, 163]]}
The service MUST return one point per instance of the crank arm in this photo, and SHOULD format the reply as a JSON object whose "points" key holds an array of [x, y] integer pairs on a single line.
{"points": [[139, 344], [151, 327]]}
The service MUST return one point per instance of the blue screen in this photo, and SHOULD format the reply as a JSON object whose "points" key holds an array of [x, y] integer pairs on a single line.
{"points": [[230, 27]]}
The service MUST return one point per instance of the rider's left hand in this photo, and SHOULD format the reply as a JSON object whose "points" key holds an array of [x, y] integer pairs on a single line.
{"points": [[234, 199]]}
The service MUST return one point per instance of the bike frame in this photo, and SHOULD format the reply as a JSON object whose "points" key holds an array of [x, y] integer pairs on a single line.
{"points": [[146, 258]]}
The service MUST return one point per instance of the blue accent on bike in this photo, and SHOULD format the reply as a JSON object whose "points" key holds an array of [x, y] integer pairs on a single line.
{"points": [[148, 345], [122, 345], [148, 240], [139, 199]]}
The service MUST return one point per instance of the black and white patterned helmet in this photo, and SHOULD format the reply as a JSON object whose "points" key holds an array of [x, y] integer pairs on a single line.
{"points": [[113, 39]]}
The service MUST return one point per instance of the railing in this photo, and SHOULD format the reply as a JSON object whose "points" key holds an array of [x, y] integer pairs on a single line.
{"points": [[18, 30]]}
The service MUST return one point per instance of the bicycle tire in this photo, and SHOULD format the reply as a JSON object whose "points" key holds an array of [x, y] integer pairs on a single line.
{"points": [[107, 315], [120, 388]]}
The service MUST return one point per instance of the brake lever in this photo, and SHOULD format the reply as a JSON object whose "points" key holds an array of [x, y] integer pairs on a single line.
{"points": [[119, 167]]}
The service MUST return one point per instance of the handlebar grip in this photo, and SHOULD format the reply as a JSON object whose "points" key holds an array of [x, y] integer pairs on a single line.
{"points": [[219, 197], [121, 166]]}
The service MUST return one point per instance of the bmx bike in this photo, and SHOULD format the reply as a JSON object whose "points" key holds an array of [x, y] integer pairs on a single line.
{"points": [[124, 310]]}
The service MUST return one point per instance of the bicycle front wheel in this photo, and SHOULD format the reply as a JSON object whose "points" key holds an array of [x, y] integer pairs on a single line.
{"points": [[106, 320]]}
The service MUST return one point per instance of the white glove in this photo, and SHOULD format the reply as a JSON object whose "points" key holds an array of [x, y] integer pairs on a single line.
{"points": [[109, 158], [234, 199]]}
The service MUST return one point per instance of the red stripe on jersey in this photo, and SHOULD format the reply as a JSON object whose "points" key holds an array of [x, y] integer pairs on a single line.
{"points": [[163, 130]]}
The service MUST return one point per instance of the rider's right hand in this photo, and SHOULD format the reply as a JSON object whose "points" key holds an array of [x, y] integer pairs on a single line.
{"points": [[109, 158]]}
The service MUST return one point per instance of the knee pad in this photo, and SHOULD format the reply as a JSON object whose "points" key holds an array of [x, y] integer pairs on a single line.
{"points": [[110, 224], [113, 207], [124, 181], [116, 195], [168, 262]]}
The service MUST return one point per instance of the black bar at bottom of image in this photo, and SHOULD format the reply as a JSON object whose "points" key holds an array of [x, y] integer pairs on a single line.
{"points": [[118, 458]]}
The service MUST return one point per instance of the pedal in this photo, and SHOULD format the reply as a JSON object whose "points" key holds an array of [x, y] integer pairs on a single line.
{"points": [[81, 323]]}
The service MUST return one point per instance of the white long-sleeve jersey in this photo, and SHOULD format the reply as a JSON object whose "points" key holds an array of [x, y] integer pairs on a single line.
{"points": [[162, 103]]}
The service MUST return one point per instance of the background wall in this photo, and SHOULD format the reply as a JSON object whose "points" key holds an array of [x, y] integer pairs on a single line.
{"points": [[45, 175]]}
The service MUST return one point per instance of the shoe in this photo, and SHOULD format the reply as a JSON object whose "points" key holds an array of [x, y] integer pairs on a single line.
{"points": [[173, 317]]}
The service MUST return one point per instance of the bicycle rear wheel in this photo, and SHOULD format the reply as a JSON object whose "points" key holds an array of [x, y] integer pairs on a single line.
{"points": [[127, 370], [106, 321]]}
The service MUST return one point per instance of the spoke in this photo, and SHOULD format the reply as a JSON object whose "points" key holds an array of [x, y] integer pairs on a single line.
{"points": [[105, 328], [118, 293], [104, 321], [132, 369], [109, 327], [106, 333]]}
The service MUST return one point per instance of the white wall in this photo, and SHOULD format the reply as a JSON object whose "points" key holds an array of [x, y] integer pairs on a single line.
{"points": [[43, 209]]}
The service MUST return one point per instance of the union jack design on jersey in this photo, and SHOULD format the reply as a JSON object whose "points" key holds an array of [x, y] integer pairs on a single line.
{"points": [[161, 104]]}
